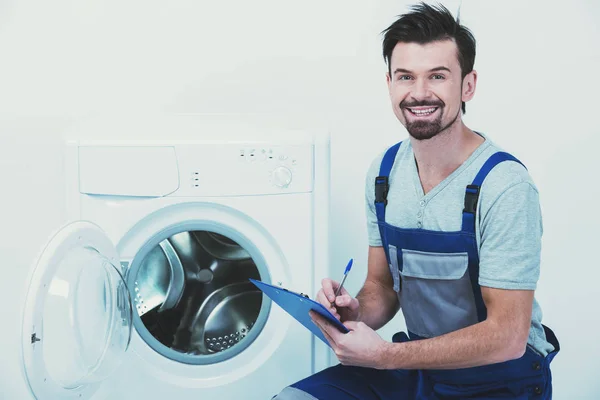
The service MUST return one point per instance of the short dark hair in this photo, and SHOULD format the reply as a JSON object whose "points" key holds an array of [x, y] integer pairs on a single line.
{"points": [[425, 24]]}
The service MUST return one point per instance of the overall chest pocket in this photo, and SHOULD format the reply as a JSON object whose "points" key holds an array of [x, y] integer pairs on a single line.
{"points": [[436, 294]]}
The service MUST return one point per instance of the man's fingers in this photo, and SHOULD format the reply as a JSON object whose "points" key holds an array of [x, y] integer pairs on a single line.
{"points": [[328, 289], [343, 300], [323, 325], [326, 303], [328, 337], [352, 325], [353, 304], [347, 301], [321, 298], [333, 311]]}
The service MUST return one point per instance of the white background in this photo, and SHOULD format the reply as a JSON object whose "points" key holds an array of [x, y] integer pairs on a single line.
{"points": [[316, 64]]}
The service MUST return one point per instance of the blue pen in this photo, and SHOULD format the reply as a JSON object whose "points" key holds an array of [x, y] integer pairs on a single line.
{"points": [[348, 267]]}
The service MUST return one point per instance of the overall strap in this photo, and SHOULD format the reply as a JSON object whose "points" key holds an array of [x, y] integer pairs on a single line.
{"points": [[382, 187], [468, 222], [472, 192]]}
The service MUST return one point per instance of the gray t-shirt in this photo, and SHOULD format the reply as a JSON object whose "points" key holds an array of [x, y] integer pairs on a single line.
{"points": [[508, 224]]}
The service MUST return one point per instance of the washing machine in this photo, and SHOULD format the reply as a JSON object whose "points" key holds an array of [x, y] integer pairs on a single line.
{"points": [[145, 292]]}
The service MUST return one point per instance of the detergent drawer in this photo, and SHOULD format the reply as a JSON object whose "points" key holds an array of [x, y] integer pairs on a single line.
{"points": [[145, 171]]}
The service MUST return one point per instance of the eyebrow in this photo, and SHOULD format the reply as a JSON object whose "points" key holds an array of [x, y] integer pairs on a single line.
{"points": [[406, 71]]}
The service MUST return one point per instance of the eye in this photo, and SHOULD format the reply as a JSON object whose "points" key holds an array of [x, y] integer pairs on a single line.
{"points": [[438, 76], [403, 77]]}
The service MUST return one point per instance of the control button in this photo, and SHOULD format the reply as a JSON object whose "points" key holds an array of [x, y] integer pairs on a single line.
{"points": [[282, 177], [283, 157], [422, 203]]}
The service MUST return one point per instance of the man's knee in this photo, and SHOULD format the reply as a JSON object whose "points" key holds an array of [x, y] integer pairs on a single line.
{"points": [[291, 393]]}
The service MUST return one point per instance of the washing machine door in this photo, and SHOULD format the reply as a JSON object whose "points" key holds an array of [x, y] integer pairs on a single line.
{"points": [[78, 315]]}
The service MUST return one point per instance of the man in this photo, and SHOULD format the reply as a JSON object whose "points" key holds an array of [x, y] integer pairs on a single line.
{"points": [[455, 232]]}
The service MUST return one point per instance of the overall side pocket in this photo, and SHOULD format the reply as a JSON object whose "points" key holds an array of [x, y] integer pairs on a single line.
{"points": [[394, 269]]}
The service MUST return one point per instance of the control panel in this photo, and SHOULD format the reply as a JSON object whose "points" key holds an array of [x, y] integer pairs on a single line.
{"points": [[281, 166], [244, 169]]}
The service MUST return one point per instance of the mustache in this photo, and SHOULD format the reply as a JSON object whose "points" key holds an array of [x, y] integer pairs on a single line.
{"points": [[406, 104]]}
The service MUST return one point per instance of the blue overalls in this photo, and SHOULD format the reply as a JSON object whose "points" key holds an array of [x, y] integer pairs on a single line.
{"points": [[436, 276]]}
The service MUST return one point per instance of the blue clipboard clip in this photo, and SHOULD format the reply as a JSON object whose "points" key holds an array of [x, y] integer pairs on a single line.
{"points": [[298, 306]]}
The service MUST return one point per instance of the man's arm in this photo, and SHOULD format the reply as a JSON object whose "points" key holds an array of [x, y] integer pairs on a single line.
{"points": [[501, 337], [377, 299]]}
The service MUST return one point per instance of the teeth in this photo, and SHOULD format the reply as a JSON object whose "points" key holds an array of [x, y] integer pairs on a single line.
{"points": [[423, 112]]}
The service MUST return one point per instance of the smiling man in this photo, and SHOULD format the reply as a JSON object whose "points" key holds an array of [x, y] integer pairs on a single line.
{"points": [[455, 230], [428, 116]]}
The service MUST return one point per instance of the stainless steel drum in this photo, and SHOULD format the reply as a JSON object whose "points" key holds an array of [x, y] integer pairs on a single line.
{"points": [[216, 305], [160, 280], [225, 317], [220, 246], [220, 304]]}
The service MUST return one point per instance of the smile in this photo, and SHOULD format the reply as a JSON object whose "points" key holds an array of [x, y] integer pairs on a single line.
{"points": [[421, 111]]}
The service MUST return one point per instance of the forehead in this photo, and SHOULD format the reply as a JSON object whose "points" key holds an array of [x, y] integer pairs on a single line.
{"points": [[417, 57]]}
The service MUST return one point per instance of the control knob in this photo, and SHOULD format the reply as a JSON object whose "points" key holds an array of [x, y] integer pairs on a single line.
{"points": [[281, 177]]}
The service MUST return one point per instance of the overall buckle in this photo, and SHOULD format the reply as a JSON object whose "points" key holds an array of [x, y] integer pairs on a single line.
{"points": [[381, 189], [471, 197]]}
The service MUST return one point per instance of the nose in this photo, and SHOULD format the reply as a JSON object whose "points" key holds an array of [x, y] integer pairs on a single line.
{"points": [[421, 90]]}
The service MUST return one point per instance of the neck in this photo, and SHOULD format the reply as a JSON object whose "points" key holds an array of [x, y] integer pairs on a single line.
{"points": [[439, 156]]}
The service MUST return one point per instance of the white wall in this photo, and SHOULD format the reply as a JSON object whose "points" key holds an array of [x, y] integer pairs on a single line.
{"points": [[313, 63]]}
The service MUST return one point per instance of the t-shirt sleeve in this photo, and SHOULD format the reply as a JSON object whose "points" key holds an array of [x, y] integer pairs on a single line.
{"points": [[511, 233], [373, 234]]}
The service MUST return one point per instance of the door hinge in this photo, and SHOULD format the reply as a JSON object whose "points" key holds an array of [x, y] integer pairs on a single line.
{"points": [[34, 338]]}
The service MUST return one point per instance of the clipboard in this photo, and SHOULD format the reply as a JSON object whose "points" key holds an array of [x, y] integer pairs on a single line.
{"points": [[298, 306]]}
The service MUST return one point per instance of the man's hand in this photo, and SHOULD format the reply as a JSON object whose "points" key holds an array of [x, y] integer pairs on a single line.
{"points": [[361, 347], [344, 308]]}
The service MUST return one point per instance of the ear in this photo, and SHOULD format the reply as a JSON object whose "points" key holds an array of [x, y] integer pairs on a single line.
{"points": [[468, 86], [389, 82]]}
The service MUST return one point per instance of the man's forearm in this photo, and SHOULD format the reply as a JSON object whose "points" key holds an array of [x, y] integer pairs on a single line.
{"points": [[480, 344], [377, 304]]}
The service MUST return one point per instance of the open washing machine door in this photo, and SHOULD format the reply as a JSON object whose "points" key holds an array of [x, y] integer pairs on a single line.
{"points": [[78, 315]]}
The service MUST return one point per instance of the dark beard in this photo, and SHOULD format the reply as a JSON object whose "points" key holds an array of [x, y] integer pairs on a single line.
{"points": [[424, 130]]}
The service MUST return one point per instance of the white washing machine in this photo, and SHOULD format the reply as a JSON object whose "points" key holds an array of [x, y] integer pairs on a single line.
{"points": [[145, 293]]}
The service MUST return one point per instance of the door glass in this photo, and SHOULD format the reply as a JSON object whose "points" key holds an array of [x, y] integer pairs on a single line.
{"points": [[87, 319]]}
